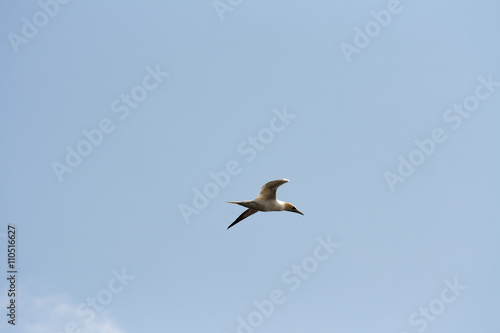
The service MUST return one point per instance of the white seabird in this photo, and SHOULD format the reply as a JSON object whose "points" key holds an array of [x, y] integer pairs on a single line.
{"points": [[265, 202]]}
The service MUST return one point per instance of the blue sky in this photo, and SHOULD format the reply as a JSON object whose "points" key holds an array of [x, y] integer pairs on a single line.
{"points": [[116, 117]]}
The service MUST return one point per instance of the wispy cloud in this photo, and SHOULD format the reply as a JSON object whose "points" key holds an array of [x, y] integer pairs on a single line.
{"points": [[58, 314]]}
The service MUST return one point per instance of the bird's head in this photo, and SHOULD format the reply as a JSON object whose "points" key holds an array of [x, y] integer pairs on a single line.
{"points": [[291, 208]]}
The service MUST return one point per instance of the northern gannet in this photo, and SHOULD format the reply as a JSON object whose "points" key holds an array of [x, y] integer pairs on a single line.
{"points": [[265, 202]]}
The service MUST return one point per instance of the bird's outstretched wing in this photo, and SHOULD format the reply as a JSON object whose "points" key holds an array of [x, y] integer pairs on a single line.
{"points": [[245, 214], [268, 191]]}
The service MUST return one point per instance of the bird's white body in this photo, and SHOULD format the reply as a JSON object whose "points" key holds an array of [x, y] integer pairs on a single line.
{"points": [[265, 202], [264, 205]]}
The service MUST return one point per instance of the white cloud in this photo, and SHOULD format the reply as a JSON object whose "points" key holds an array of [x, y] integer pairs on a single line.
{"points": [[51, 314]]}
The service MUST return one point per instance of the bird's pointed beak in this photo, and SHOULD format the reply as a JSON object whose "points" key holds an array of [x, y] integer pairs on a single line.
{"points": [[298, 211]]}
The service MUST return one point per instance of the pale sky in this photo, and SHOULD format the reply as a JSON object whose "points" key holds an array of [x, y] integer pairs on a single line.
{"points": [[126, 126]]}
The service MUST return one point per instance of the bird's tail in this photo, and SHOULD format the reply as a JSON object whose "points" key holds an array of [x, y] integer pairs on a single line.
{"points": [[247, 204]]}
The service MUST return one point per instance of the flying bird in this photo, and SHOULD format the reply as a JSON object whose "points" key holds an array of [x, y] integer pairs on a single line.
{"points": [[265, 202]]}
